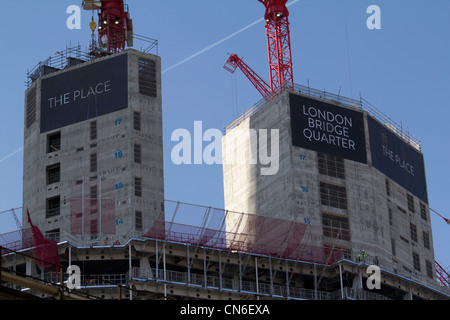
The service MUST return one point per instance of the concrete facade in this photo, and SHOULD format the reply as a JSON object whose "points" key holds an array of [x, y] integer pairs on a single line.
{"points": [[376, 215], [91, 177]]}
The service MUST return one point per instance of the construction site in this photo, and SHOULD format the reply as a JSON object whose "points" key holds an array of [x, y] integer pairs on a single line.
{"points": [[341, 212]]}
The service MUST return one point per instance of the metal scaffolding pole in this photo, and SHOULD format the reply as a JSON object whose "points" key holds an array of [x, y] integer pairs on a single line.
{"points": [[240, 272], [188, 280], [271, 276], [287, 280], [315, 282], [131, 270], [164, 270], [256, 275], [220, 271], [204, 269], [342, 284]]}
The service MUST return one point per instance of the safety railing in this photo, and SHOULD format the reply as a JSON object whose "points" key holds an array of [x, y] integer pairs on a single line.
{"points": [[250, 287], [361, 104]]}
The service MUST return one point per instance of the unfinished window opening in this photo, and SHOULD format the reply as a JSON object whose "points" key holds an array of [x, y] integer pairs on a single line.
{"points": [[426, 240], [52, 235], [53, 142], [53, 173], [416, 261], [423, 211], [333, 195], [410, 200], [137, 153], [30, 117], [136, 121], [413, 230], [336, 227], [429, 268], [138, 220], [53, 207], [93, 162], [331, 165], [93, 130], [147, 77], [138, 187]]}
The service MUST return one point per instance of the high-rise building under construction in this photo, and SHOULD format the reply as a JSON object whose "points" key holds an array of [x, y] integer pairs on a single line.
{"points": [[318, 188], [354, 178], [93, 161]]}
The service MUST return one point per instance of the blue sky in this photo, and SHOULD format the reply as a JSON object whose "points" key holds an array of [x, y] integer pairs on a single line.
{"points": [[403, 69]]}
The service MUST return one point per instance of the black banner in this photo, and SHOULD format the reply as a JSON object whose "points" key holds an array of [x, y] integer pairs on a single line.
{"points": [[84, 93], [327, 128], [397, 159]]}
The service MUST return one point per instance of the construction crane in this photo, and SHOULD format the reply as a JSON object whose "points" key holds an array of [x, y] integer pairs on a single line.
{"points": [[115, 28], [235, 62], [279, 49], [442, 275]]}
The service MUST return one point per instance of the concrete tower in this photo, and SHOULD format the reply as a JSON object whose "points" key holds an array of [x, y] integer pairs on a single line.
{"points": [[355, 180], [93, 158]]}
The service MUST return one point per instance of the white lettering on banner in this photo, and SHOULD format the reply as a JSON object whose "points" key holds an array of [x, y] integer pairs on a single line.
{"points": [[395, 158], [79, 94], [328, 127]]}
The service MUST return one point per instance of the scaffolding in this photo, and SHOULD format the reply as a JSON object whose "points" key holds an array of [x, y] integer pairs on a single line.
{"points": [[204, 252]]}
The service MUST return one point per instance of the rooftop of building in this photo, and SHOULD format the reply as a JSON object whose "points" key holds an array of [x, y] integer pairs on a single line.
{"points": [[336, 99]]}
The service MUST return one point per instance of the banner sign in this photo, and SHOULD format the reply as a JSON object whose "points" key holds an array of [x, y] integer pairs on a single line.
{"points": [[398, 160], [324, 127], [94, 90]]}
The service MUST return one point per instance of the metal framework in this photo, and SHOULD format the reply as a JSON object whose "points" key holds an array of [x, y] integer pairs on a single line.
{"points": [[279, 45], [279, 49], [203, 261], [442, 276], [235, 62], [115, 26]]}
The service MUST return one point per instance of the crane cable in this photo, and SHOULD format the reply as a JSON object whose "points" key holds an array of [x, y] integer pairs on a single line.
{"points": [[446, 220]]}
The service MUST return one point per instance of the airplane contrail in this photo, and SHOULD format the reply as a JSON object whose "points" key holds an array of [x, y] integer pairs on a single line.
{"points": [[215, 44], [11, 154]]}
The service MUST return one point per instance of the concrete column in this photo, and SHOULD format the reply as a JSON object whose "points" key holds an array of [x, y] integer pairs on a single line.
{"points": [[408, 295]]}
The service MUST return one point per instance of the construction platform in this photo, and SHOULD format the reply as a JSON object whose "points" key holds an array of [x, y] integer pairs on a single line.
{"points": [[176, 262]]}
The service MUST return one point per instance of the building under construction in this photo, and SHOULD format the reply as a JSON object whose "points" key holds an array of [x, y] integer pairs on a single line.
{"points": [[345, 189]]}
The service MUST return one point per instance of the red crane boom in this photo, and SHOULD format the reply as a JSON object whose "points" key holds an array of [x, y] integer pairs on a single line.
{"points": [[279, 48], [235, 62]]}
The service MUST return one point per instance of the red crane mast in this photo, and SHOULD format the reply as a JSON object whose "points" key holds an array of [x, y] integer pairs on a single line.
{"points": [[279, 48], [115, 28], [279, 45]]}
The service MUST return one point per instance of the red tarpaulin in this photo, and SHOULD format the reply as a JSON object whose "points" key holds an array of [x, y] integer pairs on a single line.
{"points": [[46, 251]]}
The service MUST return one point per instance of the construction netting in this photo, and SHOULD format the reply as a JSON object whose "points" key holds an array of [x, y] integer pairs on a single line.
{"points": [[222, 229], [45, 250], [92, 207]]}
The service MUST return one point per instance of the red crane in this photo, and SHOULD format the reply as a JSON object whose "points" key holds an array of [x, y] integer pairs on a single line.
{"points": [[115, 28], [279, 48], [235, 62], [279, 45], [442, 276]]}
